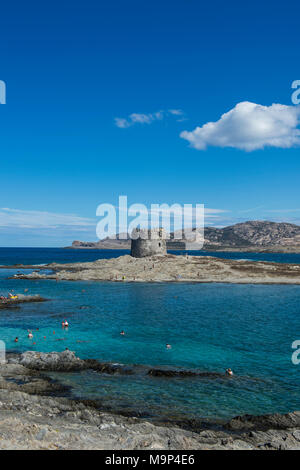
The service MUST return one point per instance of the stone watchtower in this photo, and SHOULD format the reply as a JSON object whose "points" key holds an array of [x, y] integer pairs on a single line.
{"points": [[148, 242]]}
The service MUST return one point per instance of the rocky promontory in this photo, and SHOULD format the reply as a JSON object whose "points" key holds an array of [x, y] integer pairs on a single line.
{"points": [[171, 268]]}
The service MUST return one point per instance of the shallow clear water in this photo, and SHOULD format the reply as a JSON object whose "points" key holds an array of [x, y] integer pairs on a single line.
{"points": [[249, 328]]}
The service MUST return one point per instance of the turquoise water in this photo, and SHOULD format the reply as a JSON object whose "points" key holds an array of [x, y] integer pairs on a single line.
{"points": [[249, 328]]}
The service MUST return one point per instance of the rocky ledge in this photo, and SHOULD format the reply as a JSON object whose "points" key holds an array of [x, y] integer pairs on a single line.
{"points": [[21, 299], [32, 418], [67, 361]]}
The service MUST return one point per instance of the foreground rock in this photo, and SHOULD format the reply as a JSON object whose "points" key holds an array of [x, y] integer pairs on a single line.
{"points": [[172, 268], [31, 418]]}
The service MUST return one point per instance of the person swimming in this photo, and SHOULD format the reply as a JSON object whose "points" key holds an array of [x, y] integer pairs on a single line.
{"points": [[229, 372], [16, 340], [122, 333], [168, 346], [30, 335]]}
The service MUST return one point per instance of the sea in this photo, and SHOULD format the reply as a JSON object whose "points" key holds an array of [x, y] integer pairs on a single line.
{"points": [[210, 327]]}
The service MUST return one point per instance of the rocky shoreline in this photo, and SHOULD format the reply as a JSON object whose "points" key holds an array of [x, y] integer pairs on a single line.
{"points": [[35, 415], [171, 268], [21, 299]]}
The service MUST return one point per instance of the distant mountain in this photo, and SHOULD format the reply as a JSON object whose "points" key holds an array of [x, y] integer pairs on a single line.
{"points": [[121, 242], [254, 233], [260, 234]]}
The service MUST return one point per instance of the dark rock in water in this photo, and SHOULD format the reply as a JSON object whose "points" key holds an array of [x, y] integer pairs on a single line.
{"points": [[264, 422], [67, 361], [107, 368], [183, 373]]}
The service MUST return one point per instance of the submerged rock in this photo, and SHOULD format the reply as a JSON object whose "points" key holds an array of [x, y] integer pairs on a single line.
{"points": [[183, 373], [108, 368]]}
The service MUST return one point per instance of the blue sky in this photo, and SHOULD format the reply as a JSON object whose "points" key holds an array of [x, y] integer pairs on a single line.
{"points": [[72, 68]]}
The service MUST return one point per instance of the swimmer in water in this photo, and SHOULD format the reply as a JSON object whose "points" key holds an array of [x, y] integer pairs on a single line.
{"points": [[168, 346], [122, 333], [229, 372], [66, 324], [16, 340], [30, 335]]}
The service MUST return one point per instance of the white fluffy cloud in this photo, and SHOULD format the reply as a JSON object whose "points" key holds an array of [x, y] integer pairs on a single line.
{"points": [[249, 126], [138, 118]]}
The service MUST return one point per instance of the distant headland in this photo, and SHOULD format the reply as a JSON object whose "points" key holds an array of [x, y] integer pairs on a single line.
{"points": [[251, 236]]}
